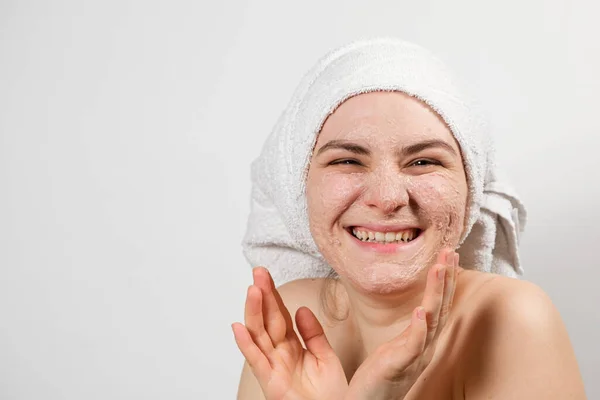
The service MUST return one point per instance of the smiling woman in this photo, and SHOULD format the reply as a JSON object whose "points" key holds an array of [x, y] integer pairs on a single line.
{"points": [[379, 177], [407, 179]]}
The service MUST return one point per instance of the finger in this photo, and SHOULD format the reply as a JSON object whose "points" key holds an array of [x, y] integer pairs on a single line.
{"points": [[258, 362], [442, 257], [405, 349], [449, 287], [278, 321], [253, 319], [312, 334], [456, 272], [418, 332], [433, 297]]}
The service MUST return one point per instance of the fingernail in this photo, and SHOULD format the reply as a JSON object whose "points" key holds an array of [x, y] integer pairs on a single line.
{"points": [[421, 313], [456, 259], [450, 258], [441, 272]]}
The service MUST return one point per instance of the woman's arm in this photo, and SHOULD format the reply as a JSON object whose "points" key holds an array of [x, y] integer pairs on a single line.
{"points": [[521, 349]]}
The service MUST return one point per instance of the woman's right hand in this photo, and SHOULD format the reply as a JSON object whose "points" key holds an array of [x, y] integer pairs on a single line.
{"points": [[283, 367]]}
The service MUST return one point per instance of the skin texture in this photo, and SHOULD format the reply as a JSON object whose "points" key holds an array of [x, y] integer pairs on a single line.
{"points": [[286, 370], [481, 331], [425, 189]]}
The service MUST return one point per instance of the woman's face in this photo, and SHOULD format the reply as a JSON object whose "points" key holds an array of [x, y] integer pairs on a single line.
{"points": [[386, 190]]}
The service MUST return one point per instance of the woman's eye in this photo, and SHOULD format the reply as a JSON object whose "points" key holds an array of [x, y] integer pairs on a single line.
{"points": [[425, 162], [344, 162]]}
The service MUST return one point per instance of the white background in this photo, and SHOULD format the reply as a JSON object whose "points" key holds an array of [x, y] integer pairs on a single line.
{"points": [[126, 133]]}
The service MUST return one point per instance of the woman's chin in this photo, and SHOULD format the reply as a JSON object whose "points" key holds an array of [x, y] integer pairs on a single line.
{"points": [[385, 277]]}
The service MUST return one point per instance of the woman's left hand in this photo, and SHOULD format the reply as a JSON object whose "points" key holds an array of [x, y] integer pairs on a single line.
{"points": [[395, 366]]}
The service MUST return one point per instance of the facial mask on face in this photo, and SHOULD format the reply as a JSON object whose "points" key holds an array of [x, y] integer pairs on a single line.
{"points": [[383, 199], [278, 235]]}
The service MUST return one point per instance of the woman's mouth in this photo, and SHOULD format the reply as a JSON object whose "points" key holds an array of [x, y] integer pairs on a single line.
{"points": [[402, 236], [385, 242]]}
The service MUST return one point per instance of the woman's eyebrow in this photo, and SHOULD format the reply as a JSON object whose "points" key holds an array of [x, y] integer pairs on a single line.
{"points": [[406, 150], [344, 145], [418, 147]]}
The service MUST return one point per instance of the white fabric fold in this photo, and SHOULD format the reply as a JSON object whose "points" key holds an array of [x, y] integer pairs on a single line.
{"points": [[278, 235]]}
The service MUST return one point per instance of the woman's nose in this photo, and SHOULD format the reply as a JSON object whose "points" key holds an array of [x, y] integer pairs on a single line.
{"points": [[387, 192]]}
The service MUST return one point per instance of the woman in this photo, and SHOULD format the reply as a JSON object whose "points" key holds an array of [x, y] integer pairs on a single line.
{"points": [[377, 176]]}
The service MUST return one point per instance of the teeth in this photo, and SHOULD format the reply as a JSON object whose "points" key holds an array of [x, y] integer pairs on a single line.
{"points": [[385, 237]]}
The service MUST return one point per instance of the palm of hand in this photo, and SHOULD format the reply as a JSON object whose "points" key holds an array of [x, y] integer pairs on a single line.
{"points": [[298, 374], [381, 373], [282, 366]]}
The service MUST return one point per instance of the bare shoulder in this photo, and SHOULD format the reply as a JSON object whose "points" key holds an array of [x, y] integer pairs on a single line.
{"points": [[302, 292], [516, 306], [513, 329], [326, 298], [506, 297]]}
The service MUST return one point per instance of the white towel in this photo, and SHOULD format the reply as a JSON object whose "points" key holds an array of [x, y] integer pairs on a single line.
{"points": [[278, 235]]}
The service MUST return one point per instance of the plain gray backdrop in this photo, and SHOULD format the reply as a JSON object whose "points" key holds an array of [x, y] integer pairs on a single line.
{"points": [[126, 133]]}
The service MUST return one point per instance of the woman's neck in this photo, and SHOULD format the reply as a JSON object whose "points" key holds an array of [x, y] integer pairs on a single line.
{"points": [[378, 318]]}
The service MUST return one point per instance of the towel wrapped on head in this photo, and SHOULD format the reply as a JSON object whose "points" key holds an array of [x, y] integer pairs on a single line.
{"points": [[278, 235]]}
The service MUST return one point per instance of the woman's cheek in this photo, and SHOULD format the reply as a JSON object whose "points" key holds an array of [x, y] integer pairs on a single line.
{"points": [[329, 195], [335, 192], [442, 202]]}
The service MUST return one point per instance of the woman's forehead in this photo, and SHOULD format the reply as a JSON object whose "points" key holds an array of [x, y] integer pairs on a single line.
{"points": [[384, 116]]}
